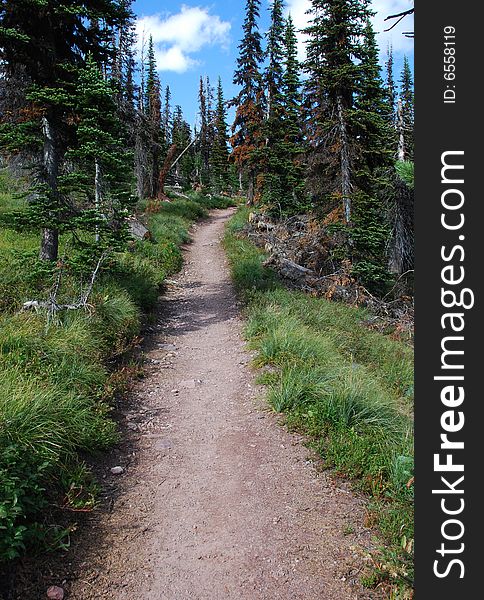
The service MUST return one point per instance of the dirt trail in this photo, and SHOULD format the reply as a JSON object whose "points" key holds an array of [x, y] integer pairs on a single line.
{"points": [[221, 502]]}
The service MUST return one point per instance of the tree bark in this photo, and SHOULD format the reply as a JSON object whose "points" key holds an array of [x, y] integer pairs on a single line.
{"points": [[251, 188], [97, 193], [401, 131], [49, 246]]}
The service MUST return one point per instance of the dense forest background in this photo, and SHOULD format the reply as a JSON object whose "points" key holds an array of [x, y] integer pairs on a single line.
{"points": [[90, 120]]}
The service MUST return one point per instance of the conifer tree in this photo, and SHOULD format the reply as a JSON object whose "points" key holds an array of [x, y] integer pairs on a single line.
{"points": [[292, 87], [334, 54], [371, 107], [376, 139], [167, 116], [247, 127], [407, 110], [348, 128], [49, 44], [153, 113], [100, 174], [220, 152], [390, 85], [204, 141], [182, 138], [282, 181]]}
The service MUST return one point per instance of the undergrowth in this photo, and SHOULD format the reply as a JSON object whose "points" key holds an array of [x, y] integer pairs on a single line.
{"points": [[348, 388], [56, 388]]}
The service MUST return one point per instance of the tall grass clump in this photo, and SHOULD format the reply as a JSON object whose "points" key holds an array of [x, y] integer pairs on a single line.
{"points": [[348, 388]]}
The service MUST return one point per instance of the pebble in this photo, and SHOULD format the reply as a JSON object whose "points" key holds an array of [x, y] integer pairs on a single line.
{"points": [[169, 347], [55, 593], [117, 470]]}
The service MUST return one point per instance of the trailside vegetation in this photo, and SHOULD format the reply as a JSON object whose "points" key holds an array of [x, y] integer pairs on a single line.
{"points": [[327, 143], [348, 388]]}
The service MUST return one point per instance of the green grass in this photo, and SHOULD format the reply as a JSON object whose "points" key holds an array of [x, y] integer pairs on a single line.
{"points": [[56, 389], [348, 388]]}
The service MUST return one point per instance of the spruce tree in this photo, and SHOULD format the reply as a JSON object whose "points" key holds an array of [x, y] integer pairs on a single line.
{"points": [[282, 180], [49, 44], [247, 127], [101, 169], [390, 85], [182, 138], [333, 66], [292, 87], [407, 110], [370, 110], [220, 152], [376, 139], [351, 139], [294, 141], [167, 116], [153, 112], [204, 145]]}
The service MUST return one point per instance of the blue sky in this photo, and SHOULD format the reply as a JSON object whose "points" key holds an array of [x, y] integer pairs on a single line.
{"points": [[195, 37]]}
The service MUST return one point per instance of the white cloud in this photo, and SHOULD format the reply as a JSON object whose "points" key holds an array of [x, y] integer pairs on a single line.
{"points": [[383, 9], [177, 36]]}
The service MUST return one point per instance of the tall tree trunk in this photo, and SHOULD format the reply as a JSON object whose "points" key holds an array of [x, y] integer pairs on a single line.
{"points": [[251, 188], [345, 161], [97, 193], [49, 245], [401, 154]]}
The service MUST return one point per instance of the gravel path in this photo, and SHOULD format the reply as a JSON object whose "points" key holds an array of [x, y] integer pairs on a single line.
{"points": [[219, 501]]}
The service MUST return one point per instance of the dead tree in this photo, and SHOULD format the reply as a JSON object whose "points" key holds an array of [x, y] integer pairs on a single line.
{"points": [[166, 168]]}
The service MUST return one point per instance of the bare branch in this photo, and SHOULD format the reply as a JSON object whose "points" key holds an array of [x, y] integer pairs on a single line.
{"points": [[402, 14], [400, 17], [51, 304]]}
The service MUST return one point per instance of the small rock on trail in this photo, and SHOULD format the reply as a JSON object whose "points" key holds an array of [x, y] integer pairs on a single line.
{"points": [[55, 593]]}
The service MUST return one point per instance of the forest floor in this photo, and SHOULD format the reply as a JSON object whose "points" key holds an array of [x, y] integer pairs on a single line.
{"points": [[217, 499]]}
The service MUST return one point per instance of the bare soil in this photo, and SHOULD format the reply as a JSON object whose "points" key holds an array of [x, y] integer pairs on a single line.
{"points": [[217, 500]]}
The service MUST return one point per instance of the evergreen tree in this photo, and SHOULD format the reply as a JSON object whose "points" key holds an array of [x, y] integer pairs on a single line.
{"points": [[167, 116], [333, 65], [220, 152], [376, 138], [371, 107], [390, 85], [247, 127], [182, 138], [292, 88], [204, 141], [349, 131], [48, 45], [153, 113], [275, 53], [282, 179], [407, 111], [101, 168]]}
